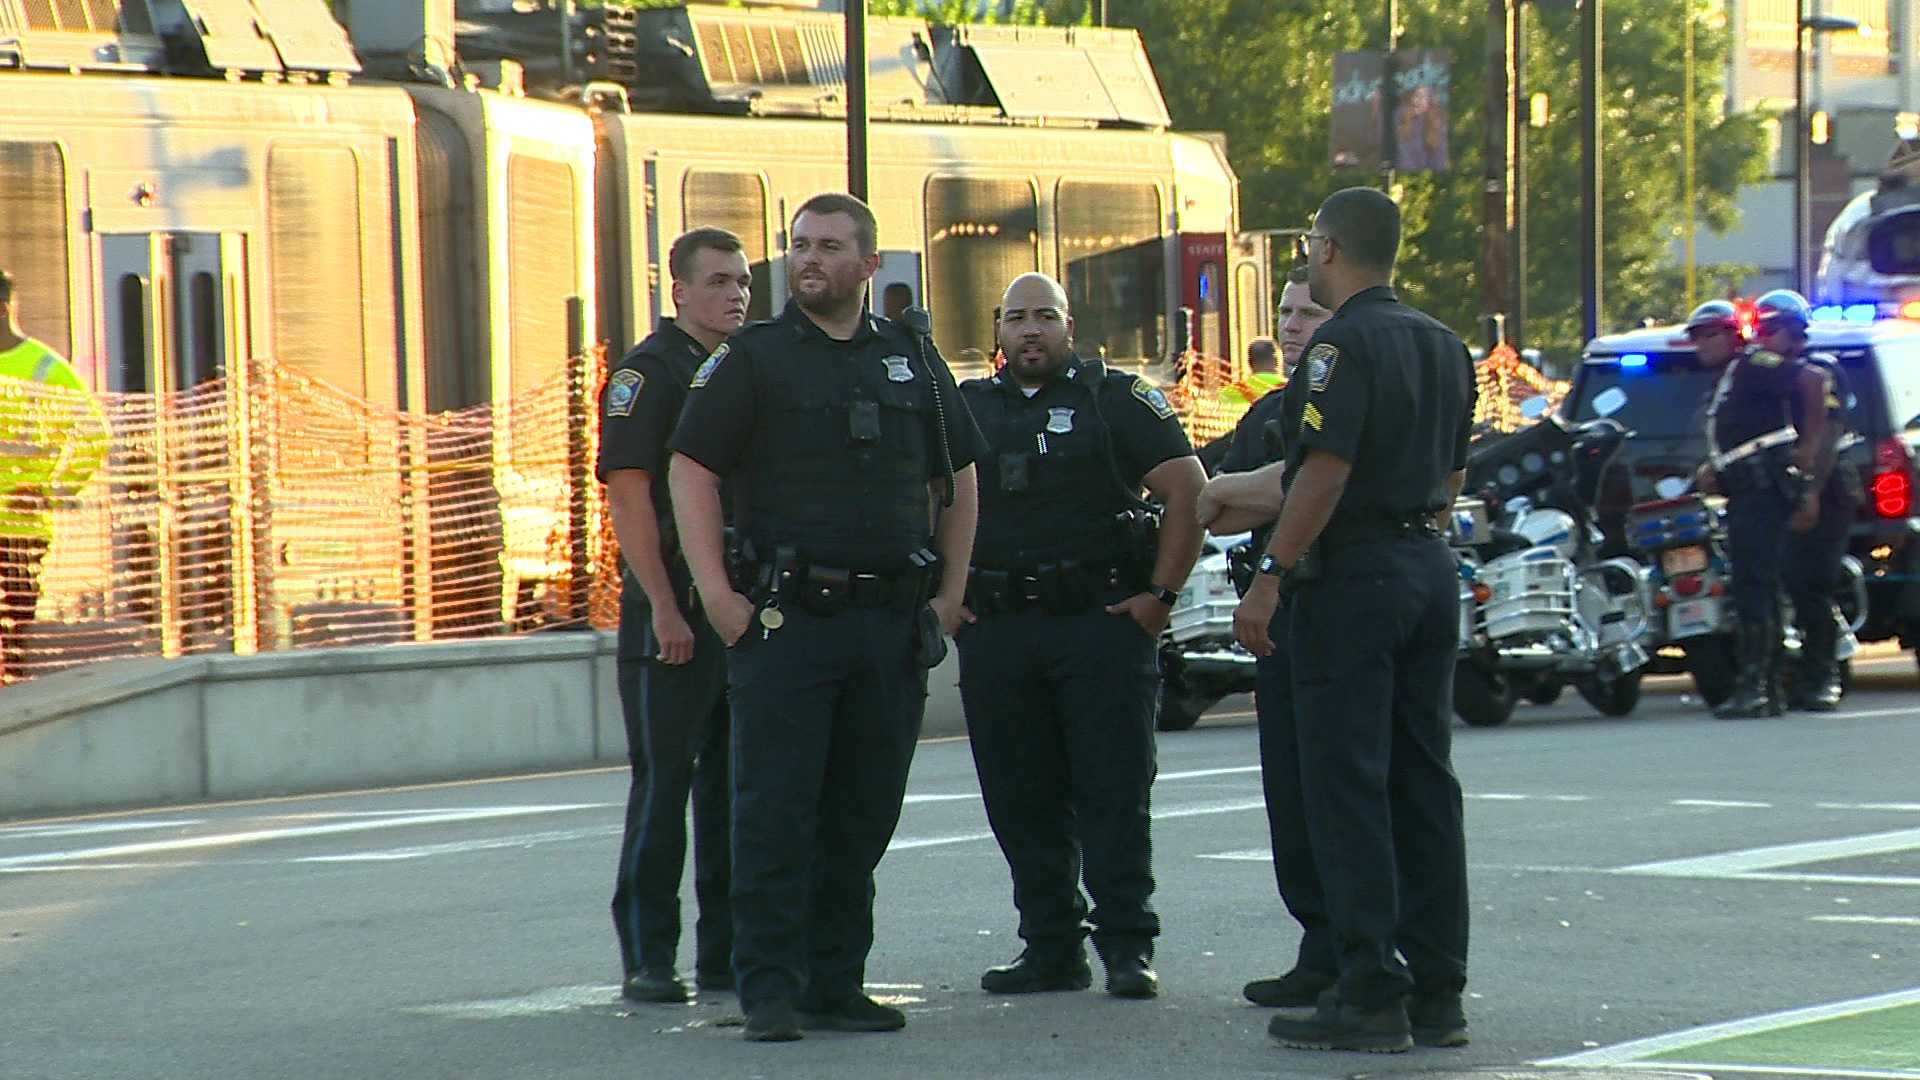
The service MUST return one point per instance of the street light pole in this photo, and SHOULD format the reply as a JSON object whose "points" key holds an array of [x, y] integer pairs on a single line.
{"points": [[1805, 27], [1591, 94], [857, 99]]}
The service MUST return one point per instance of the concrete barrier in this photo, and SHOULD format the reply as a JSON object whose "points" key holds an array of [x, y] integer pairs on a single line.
{"points": [[151, 732]]}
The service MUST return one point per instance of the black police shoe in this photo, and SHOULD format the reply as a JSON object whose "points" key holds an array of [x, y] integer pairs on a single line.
{"points": [[857, 1013], [772, 1022], [1437, 1020], [1128, 975], [1039, 971], [1334, 1026], [655, 985], [1297, 989]]}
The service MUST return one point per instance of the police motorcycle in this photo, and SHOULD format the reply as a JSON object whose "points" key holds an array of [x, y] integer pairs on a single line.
{"points": [[1682, 536], [1201, 662], [1547, 607]]}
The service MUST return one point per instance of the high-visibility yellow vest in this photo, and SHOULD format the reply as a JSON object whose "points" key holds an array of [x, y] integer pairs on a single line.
{"points": [[52, 437], [1252, 388]]}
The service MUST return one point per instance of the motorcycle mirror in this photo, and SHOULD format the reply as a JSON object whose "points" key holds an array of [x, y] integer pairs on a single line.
{"points": [[1609, 401], [1535, 407], [1671, 487]]}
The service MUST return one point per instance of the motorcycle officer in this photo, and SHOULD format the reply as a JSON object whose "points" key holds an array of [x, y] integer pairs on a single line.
{"points": [[1767, 433]]}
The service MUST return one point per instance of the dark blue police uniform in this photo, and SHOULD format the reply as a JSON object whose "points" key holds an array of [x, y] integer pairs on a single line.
{"points": [[830, 447], [1059, 695], [1813, 558], [1391, 391], [676, 714], [1260, 439]]}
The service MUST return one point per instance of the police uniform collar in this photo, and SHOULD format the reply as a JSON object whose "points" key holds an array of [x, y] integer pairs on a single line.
{"points": [[1070, 372], [804, 327], [671, 331], [1372, 294]]}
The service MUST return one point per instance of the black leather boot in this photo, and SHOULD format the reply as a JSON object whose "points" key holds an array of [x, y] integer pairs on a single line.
{"points": [[1818, 689], [1128, 972], [1755, 642], [1039, 970]]}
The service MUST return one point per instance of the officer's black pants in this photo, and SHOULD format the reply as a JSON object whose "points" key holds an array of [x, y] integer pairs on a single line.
{"points": [[1293, 867], [1812, 572], [676, 717], [1060, 715], [1756, 544], [1373, 647], [826, 711]]}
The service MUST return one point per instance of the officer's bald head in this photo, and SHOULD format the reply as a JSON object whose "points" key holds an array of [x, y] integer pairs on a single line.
{"points": [[1035, 331], [1033, 290]]}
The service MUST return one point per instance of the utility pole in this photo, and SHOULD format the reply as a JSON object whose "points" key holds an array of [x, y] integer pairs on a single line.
{"points": [[1496, 272], [1686, 154], [857, 99], [1389, 142], [1517, 320], [1591, 93]]}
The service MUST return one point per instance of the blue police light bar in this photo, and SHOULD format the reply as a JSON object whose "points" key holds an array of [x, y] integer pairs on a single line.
{"points": [[1633, 360], [1829, 313], [1861, 313]]}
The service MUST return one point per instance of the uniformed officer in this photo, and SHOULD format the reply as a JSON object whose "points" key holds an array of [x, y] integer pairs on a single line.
{"points": [[844, 435], [1246, 495], [1059, 666], [1767, 433], [52, 438], [1376, 418], [672, 668]]}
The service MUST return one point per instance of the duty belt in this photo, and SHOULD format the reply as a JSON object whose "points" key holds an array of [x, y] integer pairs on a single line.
{"points": [[1755, 445], [1370, 530], [1060, 588], [829, 590]]}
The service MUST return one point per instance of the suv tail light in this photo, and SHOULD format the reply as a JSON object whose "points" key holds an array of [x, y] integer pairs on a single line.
{"points": [[1891, 490]]}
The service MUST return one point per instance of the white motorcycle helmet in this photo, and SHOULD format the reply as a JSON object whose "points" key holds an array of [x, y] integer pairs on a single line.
{"points": [[1546, 527]]}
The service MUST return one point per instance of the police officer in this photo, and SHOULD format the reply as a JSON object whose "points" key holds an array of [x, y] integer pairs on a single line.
{"points": [[52, 438], [1376, 419], [1767, 432], [1059, 666], [672, 667], [1246, 495], [843, 434]]}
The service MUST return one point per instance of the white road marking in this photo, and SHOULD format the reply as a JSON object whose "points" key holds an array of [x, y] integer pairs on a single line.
{"points": [[1901, 807], [1868, 920], [255, 836], [1747, 861], [960, 797], [1195, 774], [540, 1002], [86, 828], [1243, 855], [462, 847], [1731, 804], [1506, 796], [1872, 713], [1776, 1070], [1630, 1052]]}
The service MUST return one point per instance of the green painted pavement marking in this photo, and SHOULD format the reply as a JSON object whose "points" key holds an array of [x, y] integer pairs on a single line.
{"points": [[1881, 1039]]}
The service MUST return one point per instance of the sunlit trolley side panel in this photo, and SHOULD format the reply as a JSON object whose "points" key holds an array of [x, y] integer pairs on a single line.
{"points": [[530, 236], [1206, 221], [176, 277], [994, 212]]}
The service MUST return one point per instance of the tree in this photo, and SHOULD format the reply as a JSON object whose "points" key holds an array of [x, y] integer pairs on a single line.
{"points": [[1259, 70]]}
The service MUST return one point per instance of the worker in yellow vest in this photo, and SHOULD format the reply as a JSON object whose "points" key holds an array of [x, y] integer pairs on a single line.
{"points": [[52, 439]]}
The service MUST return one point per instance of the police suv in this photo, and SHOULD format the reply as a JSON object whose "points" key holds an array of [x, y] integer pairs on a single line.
{"points": [[1667, 396]]}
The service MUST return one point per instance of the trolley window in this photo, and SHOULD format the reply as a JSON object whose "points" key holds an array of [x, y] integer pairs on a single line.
{"points": [[736, 202], [981, 234], [318, 282], [33, 238], [1114, 262], [542, 267]]}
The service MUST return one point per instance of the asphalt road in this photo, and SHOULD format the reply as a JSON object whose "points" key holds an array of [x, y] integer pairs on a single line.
{"points": [[461, 930]]}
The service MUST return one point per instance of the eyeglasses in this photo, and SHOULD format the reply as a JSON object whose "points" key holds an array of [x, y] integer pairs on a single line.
{"points": [[1702, 333], [1302, 242], [1776, 326]]}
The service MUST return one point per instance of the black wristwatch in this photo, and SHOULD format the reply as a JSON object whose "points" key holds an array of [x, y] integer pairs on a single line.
{"points": [[1270, 566], [1163, 594]]}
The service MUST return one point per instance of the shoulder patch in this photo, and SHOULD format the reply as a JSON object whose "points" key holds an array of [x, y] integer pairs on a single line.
{"points": [[1153, 398], [1766, 358], [707, 367], [1319, 362], [622, 388]]}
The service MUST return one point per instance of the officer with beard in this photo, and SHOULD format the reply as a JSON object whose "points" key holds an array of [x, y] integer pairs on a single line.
{"points": [[1059, 663], [852, 458]]}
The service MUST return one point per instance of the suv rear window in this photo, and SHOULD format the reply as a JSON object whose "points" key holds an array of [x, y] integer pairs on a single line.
{"points": [[1667, 397]]}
